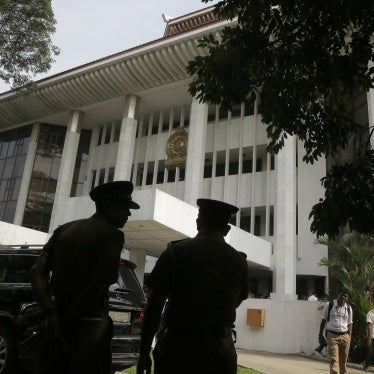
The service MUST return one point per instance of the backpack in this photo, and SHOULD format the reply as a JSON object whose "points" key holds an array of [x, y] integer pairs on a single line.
{"points": [[331, 303]]}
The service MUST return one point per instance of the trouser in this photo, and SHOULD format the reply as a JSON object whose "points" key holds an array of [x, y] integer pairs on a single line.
{"points": [[338, 349], [370, 357], [88, 347], [197, 354]]}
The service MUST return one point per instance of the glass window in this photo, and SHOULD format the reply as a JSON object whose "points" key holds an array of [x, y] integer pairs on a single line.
{"points": [[171, 175], [160, 171], [101, 130], [234, 161], [139, 174], [44, 177], [182, 172], [108, 133], [111, 175], [208, 165], [93, 179], [247, 160], [150, 170], [101, 177], [117, 131], [13, 152], [220, 164]]}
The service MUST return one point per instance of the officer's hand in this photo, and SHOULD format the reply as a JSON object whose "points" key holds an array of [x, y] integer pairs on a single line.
{"points": [[54, 340], [144, 364], [321, 340]]}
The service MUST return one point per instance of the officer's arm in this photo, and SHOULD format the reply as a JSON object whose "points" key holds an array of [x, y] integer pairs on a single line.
{"points": [[151, 320], [39, 275]]}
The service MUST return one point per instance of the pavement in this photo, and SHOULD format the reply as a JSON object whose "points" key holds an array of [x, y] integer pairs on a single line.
{"points": [[274, 363]]}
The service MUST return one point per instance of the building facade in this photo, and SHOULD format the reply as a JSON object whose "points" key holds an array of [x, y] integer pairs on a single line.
{"points": [[130, 116]]}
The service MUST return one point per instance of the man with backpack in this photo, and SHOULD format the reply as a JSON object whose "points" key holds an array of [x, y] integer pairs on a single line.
{"points": [[337, 318]]}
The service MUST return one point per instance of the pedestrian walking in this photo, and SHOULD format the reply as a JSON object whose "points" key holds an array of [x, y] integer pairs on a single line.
{"points": [[337, 318]]}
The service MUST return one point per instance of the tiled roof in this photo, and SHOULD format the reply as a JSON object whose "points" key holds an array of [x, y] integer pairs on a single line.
{"points": [[190, 22]]}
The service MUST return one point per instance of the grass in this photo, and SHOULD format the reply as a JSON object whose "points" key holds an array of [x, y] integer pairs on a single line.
{"points": [[241, 370]]}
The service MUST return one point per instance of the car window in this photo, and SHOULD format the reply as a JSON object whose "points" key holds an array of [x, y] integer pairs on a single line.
{"points": [[15, 268], [127, 280]]}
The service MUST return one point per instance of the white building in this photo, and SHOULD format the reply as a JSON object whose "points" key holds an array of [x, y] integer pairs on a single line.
{"points": [[130, 116]]}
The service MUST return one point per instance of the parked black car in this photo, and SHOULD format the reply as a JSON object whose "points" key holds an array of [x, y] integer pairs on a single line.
{"points": [[21, 319]]}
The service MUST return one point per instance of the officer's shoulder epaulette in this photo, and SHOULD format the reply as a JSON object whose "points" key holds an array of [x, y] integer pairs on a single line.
{"points": [[170, 244]]}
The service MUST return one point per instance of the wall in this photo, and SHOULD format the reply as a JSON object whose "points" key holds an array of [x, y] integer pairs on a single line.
{"points": [[290, 326], [14, 234]]}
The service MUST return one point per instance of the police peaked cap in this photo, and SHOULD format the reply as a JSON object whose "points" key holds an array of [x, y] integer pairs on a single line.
{"points": [[115, 190], [215, 211]]}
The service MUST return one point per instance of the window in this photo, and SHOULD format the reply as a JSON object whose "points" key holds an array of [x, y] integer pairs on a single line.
{"points": [[150, 170], [111, 174], [247, 160], [101, 177], [101, 129], [160, 171], [93, 179], [139, 174], [108, 134], [234, 161], [208, 165], [44, 176], [182, 172], [117, 132], [171, 176], [220, 164]]}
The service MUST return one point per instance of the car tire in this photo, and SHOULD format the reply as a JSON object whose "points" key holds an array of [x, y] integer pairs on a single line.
{"points": [[8, 350]]}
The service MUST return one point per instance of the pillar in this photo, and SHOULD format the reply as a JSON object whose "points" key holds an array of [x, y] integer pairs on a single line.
{"points": [[26, 177], [196, 151], [284, 275], [68, 159], [127, 139]]}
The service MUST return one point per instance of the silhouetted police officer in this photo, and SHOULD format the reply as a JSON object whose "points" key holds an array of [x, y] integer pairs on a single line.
{"points": [[204, 280], [83, 258]]}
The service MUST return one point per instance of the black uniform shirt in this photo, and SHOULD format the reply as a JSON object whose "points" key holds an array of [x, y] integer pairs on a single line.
{"points": [[79, 251], [205, 278]]}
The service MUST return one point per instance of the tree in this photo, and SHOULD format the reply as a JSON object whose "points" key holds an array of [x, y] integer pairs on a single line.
{"points": [[25, 39], [351, 262], [306, 61]]}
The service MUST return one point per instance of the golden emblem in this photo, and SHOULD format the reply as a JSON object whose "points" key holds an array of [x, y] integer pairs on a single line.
{"points": [[176, 149]]}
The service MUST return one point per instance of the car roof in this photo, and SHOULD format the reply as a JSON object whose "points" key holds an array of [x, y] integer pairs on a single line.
{"points": [[26, 249], [35, 249]]}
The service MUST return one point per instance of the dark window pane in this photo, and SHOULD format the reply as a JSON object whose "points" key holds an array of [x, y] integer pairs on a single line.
{"points": [[111, 175], [101, 129], [44, 177], [101, 177], [171, 176], [108, 133], [117, 130]]}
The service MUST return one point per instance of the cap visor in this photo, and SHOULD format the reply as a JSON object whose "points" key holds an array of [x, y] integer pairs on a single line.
{"points": [[133, 205]]}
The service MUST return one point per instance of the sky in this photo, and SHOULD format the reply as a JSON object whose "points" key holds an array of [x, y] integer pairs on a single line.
{"points": [[87, 30]]}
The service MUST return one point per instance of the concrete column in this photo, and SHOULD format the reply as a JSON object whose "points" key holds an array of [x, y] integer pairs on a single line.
{"points": [[138, 257], [370, 100], [27, 172], [126, 145], [68, 159], [285, 231], [196, 151]]}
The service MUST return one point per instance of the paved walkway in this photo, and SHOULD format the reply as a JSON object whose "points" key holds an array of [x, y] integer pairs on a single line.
{"points": [[272, 363]]}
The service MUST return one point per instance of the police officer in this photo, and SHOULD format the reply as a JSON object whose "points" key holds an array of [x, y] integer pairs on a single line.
{"points": [[83, 258], [204, 280]]}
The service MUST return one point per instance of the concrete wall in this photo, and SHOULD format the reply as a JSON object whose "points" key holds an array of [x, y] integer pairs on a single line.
{"points": [[289, 327], [17, 235]]}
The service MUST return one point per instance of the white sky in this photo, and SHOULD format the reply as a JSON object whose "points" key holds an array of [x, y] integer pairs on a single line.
{"points": [[87, 30]]}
